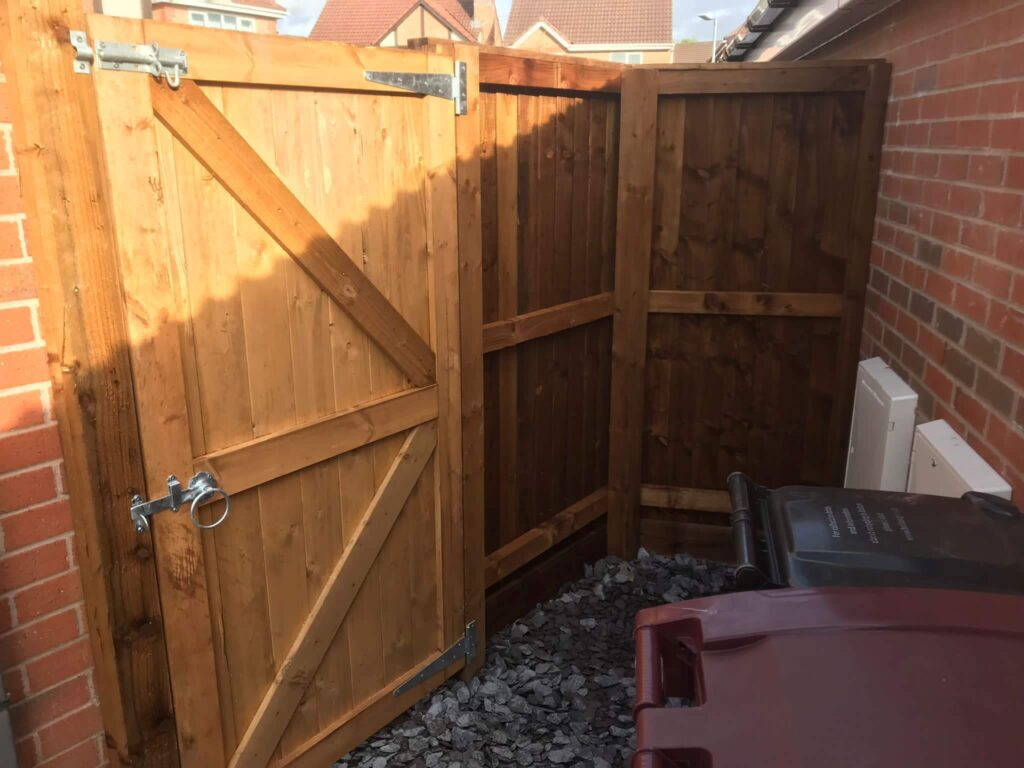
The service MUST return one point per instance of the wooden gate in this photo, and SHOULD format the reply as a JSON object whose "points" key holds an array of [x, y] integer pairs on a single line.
{"points": [[288, 240]]}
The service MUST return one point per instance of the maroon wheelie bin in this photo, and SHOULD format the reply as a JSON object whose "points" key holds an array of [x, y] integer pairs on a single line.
{"points": [[838, 677]]}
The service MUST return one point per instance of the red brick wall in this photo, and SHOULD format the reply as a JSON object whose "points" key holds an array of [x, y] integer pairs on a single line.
{"points": [[44, 650], [946, 298]]}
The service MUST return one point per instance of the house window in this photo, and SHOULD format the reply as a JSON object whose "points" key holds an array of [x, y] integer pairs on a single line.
{"points": [[632, 57], [220, 21]]}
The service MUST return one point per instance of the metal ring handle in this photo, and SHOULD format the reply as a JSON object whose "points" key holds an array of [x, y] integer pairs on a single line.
{"points": [[204, 495]]}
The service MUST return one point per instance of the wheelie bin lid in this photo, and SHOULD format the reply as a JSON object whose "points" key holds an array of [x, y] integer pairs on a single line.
{"points": [[844, 677]]}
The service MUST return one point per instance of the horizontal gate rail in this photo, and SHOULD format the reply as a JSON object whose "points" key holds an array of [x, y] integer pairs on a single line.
{"points": [[258, 461], [692, 499]]}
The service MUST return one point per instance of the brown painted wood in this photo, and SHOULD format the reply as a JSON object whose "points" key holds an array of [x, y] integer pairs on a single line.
{"points": [[724, 78], [544, 322], [535, 542], [505, 67], [471, 357], [263, 459], [201, 127], [75, 260], [326, 616], [632, 276], [697, 499], [858, 247], [673, 537], [747, 303]]}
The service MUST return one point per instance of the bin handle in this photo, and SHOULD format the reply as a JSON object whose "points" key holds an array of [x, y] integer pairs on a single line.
{"points": [[744, 538], [649, 691]]}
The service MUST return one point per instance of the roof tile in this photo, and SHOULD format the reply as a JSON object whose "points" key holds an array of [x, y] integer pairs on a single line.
{"points": [[589, 22], [365, 22]]}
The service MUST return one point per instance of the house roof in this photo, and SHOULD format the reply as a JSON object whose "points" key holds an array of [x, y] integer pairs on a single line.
{"points": [[365, 22], [590, 22], [269, 4], [696, 52]]}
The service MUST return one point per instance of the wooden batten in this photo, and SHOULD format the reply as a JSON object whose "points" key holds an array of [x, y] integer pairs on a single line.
{"points": [[632, 277], [695, 499], [747, 303], [75, 260], [723, 78], [544, 322]]}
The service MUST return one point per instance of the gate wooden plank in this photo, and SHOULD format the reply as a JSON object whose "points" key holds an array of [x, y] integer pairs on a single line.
{"points": [[260, 460], [201, 127], [544, 322], [315, 636], [150, 285], [83, 318], [629, 335]]}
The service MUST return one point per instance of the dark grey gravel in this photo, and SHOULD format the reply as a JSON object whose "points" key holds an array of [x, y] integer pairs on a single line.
{"points": [[557, 687]]}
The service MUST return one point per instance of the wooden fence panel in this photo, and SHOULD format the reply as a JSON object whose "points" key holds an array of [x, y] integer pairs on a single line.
{"points": [[548, 180], [758, 259]]}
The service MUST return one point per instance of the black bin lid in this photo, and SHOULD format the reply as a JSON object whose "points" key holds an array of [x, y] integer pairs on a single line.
{"points": [[820, 537]]}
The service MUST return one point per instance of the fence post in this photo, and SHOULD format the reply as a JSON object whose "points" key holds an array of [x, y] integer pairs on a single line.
{"points": [[639, 112], [71, 239]]}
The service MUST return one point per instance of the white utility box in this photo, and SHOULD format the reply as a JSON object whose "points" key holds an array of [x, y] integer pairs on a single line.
{"points": [[943, 464], [882, 430]]}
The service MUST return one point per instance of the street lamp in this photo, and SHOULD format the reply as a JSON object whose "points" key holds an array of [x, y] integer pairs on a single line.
{"points": [[713, 17]]}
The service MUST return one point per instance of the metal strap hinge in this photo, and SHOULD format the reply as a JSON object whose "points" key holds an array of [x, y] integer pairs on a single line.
{"points": [[463, 648], [452, 87], [169, 63]]}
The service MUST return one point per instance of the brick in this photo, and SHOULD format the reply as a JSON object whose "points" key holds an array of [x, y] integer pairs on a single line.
{"points": [[945, 228], [995, 392], [922, 307], [939, 383], [973, 134], [930, 344], [929, 252], [982, 347], [940, 287], [892, 342], [972, 411], [16, 326], [913, 360], [1013, 367], [914, 275], [993, 278], [948, 324], [62, 664], [1011, 63], [48, 596], [1003, 207], [986, 169], [65, 733], [10, 241], [984, 448], [1007, 322], [37, 524], [21, 410], [899, 212], [1015, 172], [27, 488], [965, 201], [979, 237], [926, 164], [995, 99], [39, 637], [10, 195], [14, 684], [950, 417], [25, 566], [907, 326], [1008, 134], [971, 304], [85, 755], [899, 293], [925, 79], [1005, 439], [879, 280], [961, 367], [28, 448], [26, 366], [16, 281], [1010, 248], [957, 264], [953, 167], [27, 755], [935, 194]]}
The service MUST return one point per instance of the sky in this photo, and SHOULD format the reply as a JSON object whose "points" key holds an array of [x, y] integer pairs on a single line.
{"points": [[302, 14]]}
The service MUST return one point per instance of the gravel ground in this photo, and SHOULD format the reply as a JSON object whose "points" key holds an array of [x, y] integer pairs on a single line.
{"points": [[558, 685]]}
